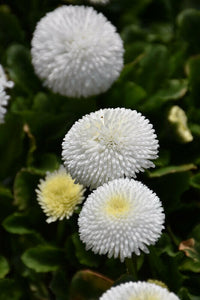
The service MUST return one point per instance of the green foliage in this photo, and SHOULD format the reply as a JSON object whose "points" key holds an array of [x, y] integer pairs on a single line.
{"points": [[43, 258], [162, 69]]}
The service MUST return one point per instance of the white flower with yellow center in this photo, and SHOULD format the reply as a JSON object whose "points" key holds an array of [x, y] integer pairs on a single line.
{"points": [[138, 291], [58, 195], [120, 218], [4, 83], [77, 51], [109, 144]]}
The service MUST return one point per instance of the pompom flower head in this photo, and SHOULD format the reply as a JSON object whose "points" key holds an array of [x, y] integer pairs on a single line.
{"points": [[77, 51], [138, 291], [109, 144], [58, 195], [4, 83], [120, 218]]}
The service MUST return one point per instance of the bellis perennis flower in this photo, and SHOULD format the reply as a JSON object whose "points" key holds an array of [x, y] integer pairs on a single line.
{"points": [[77, 51], [138, 291], [109, 144], [120, 218], [58, 195], [4, 83]]}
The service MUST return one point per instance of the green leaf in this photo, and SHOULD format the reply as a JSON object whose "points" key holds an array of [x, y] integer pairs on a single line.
{"points": [[10, 290], [174, 89], [18, 223], [192, 69], [11, 146], [188, 22], [4, 267], [10, 29], [48, 162], [60, 285], [87, 258], [185, 295], [88, 285], [21, 69], [153, 68], [195, 181], [43, 258], [24, 188], [5, 192], [170, 170]]}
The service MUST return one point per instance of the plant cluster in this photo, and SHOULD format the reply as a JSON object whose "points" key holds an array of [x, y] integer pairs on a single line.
{"points": [[80, 86]]}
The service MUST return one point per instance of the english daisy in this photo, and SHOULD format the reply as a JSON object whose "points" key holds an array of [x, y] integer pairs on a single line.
{"points": [[138, 291], [58, 195], [4, 83], [77, 51], [108, 144], [120, 218]]}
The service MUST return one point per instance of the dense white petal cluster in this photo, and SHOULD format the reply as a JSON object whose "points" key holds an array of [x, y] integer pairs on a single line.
{"points": [[4, 83], [77, 51], [120, 218], [109, 144], [138, 291], [58, 195]]}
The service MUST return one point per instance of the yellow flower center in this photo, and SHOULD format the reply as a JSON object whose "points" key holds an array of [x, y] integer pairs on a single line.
{"points": [[117, 206], [145, 296]]}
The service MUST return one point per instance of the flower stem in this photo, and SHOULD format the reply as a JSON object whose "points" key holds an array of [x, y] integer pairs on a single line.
{"points": [[131, 266]]}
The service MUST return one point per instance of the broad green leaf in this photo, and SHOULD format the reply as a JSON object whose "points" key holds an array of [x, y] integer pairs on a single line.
{"points": [[87, 258], [18, 223], [163, 159], [5, 192], [24, 188], [153, 68], [4, 267], [174, 89], [10, 290], [165, 268], [60, 285], [43, 258], [185, 295], [10, 28], [188, 22], [170, 187], [170, 170], [21, 69], [195, 181], [192, 69], [88, 285], [48, 162], [11, 146]]}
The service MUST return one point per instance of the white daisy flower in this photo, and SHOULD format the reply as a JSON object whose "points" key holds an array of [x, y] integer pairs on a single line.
{"points": [[77, 51], [4, 83], [58, 195], [138, 291], [120, 218], [109, 144]]}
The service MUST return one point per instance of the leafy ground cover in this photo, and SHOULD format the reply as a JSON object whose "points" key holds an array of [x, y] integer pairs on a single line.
{"points": [[161, 79]]}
